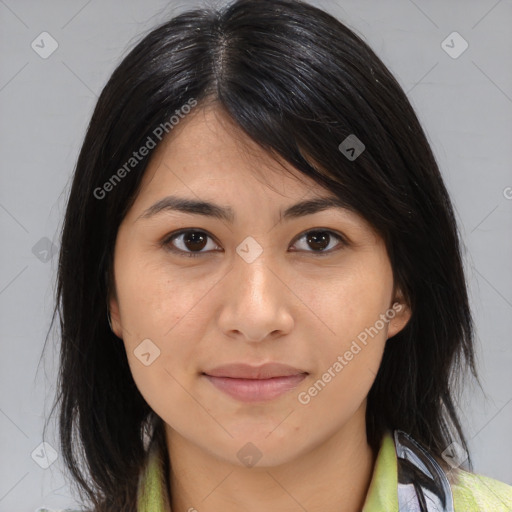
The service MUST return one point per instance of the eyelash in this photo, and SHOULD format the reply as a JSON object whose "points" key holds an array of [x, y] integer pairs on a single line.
{"points": [[167, 242]]}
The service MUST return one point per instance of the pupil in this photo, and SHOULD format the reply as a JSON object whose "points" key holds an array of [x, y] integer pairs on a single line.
{"points": [[196, 239], [319, 239]]}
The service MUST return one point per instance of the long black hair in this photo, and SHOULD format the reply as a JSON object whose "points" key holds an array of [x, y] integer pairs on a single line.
{"points": [[298, 82]]}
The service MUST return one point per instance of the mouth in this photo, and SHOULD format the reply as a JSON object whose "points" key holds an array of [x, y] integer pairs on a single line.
{"points": [[255, 384], [256, 390]]}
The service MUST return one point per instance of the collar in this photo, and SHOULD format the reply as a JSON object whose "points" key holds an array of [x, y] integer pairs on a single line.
{"points": [[382, 493]]}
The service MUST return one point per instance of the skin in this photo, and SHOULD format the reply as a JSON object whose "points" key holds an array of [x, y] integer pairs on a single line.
{"points": [[289, 306]]}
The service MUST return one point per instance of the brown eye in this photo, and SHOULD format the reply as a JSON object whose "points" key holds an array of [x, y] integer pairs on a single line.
{"points": [[190, 242], [320, 241]]}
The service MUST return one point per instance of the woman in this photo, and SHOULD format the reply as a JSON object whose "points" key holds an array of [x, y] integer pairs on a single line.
{"points": [[261, 293]]}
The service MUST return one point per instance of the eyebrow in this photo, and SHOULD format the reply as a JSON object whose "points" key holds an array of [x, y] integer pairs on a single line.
{"points": [[226, 213]]}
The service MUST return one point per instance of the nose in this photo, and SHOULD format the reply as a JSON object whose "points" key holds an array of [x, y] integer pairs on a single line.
{"points": [[257, 303]]}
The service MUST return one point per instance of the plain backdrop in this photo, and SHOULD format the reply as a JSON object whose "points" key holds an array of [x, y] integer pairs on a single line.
{"points": [[464, 102]]}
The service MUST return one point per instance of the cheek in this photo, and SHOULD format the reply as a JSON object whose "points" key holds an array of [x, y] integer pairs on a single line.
{"points": [[351, 307], [161, 317], [346, 372], [155, 297], [165, 389], [350, 301], [162, 352]]}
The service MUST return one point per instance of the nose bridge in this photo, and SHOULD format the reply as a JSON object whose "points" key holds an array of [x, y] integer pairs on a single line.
{"points": [[256, 303], [253, 269]]}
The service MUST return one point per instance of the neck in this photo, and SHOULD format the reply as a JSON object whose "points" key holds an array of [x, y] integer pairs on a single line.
{"points": [[333, 476]]}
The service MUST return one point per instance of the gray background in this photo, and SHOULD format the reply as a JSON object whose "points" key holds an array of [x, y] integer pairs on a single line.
{"points": [[464, 103]]}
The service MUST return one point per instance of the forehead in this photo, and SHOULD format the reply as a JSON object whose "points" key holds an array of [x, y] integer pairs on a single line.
{"points": [[207, 152]]}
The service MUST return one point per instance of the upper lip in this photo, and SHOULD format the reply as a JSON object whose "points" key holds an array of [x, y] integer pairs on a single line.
{"points": [[246, 371]]}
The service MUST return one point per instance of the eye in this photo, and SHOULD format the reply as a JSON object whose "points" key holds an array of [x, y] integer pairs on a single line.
{"points": [[320, 239], [191, 242]]}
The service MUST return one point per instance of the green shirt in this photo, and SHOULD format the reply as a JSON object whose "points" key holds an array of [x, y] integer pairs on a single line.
{"points": [[471, 492]]}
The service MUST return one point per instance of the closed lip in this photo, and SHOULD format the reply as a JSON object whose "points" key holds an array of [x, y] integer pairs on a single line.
{"points": [[247, 371]]}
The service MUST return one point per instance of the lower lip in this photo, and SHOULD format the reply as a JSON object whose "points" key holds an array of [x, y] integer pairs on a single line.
{"points": [[256, 390]]}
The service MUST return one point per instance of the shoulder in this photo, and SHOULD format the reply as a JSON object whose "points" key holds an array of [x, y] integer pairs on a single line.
{"points": [[473, 492]]}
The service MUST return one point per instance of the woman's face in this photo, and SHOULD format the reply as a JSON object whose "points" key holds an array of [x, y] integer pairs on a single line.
{"points": [[255, 288]]}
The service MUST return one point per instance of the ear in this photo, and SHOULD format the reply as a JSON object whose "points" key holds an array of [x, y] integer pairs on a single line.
{"points": [[115, 317], [402, 315]]}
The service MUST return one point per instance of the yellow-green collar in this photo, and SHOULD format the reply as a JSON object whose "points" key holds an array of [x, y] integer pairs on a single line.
{"points": [[383, 491]]}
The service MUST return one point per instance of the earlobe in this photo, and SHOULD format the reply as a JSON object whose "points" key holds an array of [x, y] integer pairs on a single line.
{"points": [[114, 317], [402, 315], [400, 320]]}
